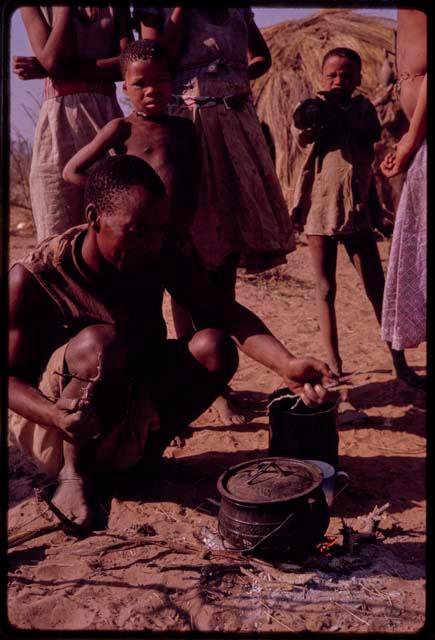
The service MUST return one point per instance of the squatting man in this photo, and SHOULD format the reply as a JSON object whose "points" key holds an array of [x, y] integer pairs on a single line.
{"points": [[87, 305]]}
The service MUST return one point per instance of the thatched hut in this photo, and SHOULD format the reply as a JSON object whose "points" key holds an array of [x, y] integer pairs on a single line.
{"points": [[297, 48]]}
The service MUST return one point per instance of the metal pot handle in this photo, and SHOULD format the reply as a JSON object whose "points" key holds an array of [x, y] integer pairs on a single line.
{"points": [[258, 544]]}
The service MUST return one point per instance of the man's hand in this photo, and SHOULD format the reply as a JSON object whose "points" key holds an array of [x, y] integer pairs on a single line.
{"points": [[28, 68], [306, 377], [76, 419]]}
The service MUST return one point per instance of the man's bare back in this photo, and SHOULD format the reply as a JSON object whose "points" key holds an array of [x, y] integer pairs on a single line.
{"points": [[411, 52]]}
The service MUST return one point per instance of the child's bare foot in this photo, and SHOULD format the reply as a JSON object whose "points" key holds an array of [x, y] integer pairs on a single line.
{"points": [[335, 366], [72, 499], [226, 410]]}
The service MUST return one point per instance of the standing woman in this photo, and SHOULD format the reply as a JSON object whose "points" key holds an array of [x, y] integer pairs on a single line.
{"points": [[76, 51], [242, 218]]}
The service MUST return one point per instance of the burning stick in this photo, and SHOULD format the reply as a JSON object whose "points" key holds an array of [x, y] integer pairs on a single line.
{"points": [[373, 519], [367, 533]]}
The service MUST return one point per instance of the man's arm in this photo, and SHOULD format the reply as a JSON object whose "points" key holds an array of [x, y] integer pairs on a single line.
{"points": [[110, 136], [187, 282], [31, 336]]}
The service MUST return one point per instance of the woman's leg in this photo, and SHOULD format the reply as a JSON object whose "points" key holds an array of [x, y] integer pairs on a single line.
{"points": [[364, 255], [323, 251]]}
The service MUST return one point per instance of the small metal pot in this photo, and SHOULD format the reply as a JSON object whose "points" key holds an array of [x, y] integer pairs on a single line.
{"points": [[299, 431], [271, 505]]}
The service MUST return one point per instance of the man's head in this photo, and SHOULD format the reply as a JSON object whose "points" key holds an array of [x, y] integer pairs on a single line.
{"points": [[127, 211], [341, 70], [147, 81]]}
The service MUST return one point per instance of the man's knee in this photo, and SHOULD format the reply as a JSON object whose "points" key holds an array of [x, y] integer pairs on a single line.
{"points": [[215, 350], [97, 345]]}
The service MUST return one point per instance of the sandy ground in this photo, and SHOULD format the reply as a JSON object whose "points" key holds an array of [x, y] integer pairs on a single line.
{"points": [[159, 563]]}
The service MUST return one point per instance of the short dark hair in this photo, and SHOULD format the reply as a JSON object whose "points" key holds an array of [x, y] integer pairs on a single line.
{"points": [[112, 176], [141, 50], [343, 52]]}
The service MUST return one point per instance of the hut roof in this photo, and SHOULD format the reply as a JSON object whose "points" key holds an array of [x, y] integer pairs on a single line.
{"points": [[297, 48]]}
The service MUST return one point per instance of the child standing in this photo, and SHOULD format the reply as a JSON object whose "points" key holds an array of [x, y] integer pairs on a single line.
{"points": [[242, 218], [168, 143], [331, 202]]}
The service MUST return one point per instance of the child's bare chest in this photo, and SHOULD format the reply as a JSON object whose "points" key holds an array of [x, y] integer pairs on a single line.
{"points": [[158, 147]]}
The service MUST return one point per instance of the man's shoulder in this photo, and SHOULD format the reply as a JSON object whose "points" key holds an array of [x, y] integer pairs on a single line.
{"points": [[24, 288]]}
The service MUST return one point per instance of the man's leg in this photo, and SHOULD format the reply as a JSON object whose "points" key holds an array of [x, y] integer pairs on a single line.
{"points": [[93, 349], [195, 373]]}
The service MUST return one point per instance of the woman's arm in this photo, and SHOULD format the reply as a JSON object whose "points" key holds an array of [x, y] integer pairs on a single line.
{"points": [[259, 59], [172, 35], [399, 160], [111, 135], [99, 70], [51, 46]]}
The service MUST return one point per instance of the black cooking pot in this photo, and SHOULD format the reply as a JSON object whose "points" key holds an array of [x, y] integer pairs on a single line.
{"points": [[299, 431], [271, 505]]}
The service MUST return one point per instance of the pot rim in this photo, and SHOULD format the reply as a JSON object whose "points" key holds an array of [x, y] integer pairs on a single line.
{"points": [[317, 481], [330, 409]]}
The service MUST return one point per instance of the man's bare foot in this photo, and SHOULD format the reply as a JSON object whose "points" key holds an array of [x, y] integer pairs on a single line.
{"points": [[72, 499], [227, 413]]}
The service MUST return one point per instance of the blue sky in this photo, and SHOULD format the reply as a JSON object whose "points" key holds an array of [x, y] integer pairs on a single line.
{"points": [[22, 91]]}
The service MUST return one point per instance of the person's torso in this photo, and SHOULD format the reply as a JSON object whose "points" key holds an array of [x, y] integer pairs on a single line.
{"points": [[214, 59], [132, 304], [95, 36], [164, 145], [411, 56]]}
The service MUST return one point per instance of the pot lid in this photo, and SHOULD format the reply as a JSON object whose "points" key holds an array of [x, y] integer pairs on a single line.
{"points": [[269, 480]]}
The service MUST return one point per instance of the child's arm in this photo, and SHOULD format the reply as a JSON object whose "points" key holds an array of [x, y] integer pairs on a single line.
{"points": [[399, 160], [112, 135], [363, 126], [259, 59], [55, 55]]}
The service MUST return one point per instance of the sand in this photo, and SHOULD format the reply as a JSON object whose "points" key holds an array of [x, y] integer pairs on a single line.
{"points": [[157, 564]]}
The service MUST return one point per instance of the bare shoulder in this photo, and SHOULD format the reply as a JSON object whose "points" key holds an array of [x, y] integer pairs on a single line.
{"points": [[117, 127], [26, 295]]}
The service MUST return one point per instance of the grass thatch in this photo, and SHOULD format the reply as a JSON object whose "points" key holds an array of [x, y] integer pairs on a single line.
{"points": [[297, 48]]}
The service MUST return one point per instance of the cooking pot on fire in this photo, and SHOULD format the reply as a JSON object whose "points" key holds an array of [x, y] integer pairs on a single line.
{"points": [[271, 505]]}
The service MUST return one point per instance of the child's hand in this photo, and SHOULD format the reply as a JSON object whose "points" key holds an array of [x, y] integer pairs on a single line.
{"points": [[398, 161], [385, 223], [28, 68], [307, 136]]}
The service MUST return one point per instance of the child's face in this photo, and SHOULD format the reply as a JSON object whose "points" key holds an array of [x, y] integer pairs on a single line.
{"points": [[340, 73], [148, 85]]}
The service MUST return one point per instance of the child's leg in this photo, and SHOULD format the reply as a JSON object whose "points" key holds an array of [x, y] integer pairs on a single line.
{"points": [[323, 251], [364, 255], [363, 252]]}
